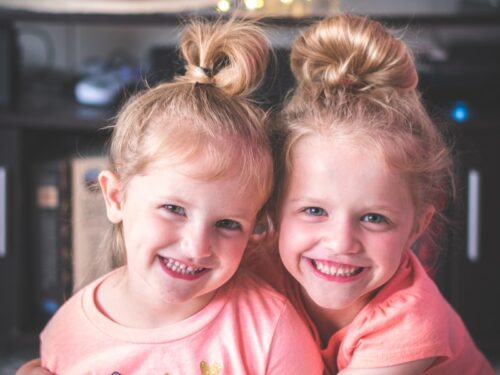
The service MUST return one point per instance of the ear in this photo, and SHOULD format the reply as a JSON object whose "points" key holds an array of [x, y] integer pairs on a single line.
{"points": [[423, 221], [113, 197], [262, 229]]}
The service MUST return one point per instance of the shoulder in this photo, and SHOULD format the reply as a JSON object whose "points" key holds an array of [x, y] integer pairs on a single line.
{"points": [[70, 315], [68, 310], [408, 320], [252, 297], [277, 328], [410, 293]]}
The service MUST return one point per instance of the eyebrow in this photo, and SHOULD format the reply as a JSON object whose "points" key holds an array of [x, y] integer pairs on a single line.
{"points": [[306, 199]]}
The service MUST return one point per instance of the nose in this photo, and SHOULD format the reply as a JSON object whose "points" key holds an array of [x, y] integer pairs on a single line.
{"points": [[340, 236], [196, 241]]}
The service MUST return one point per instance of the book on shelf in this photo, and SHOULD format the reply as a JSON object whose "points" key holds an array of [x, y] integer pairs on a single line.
{"points": [[89, 220], [69, 225], [51, 236]]}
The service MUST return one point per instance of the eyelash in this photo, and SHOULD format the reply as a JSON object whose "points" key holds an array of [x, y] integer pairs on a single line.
{"points": [[178, 210], [380, 219], [224, 223], [228, 224], [314, 211], [369, 218]]}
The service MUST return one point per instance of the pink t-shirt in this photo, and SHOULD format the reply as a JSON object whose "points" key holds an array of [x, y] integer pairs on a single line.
{"points": [[247, 328], [407, 320]]}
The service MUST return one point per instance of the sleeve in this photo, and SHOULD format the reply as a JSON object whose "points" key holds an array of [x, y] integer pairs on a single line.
{"points": [[293, 350], [402, 329]]}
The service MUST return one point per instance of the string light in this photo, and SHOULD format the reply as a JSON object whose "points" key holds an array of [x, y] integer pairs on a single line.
{"points": [[223, 6], [254, 4]]}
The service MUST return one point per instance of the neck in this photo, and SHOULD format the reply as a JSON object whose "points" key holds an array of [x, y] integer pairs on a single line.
{"points": [[121, 302], [328, 321]]}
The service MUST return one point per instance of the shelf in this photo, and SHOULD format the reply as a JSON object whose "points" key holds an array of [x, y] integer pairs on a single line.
{"points": [[175, 11], [38, 111]]}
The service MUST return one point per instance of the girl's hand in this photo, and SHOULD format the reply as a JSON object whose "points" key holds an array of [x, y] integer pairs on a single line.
{"points": [[33, 367]]}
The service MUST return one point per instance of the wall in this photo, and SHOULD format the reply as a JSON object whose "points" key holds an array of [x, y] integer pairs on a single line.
{"points": [[69, 46]]}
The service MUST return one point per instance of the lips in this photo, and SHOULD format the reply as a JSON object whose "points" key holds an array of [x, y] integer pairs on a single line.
{"points": [[181, 270], [335, 270]]}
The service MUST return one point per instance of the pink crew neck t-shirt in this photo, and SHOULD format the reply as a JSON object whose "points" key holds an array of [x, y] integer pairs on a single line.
{"points": [[407, 320], [247, 328]]}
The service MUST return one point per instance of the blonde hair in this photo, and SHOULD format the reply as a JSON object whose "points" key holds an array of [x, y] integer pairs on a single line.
{"points": [[206, 113], [357, 81]]}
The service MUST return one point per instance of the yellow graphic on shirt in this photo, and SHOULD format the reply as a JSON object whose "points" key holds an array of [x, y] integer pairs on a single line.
{"points": [[207, 369]]}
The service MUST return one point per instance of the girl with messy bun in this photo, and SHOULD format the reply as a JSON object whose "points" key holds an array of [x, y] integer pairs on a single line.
{"points": [[362, 173], [190, 170]]}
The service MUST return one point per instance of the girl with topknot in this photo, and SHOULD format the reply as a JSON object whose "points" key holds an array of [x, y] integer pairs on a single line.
{"points": [[363, 172], [191, 169]]}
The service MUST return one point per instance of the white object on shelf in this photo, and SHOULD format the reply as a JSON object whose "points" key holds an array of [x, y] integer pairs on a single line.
{"points": [[3, 212], [473, 215], [103, 89]]}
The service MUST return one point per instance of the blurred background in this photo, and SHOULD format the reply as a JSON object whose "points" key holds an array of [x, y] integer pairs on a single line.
{"points": [[67, 65]]}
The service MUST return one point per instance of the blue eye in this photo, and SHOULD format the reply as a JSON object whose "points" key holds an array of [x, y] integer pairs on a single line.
{"points": [[228, 224], [175, 209], [315, 211], [374, 218]]}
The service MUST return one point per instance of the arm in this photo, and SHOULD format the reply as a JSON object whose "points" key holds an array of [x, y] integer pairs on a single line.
{"points": [[33, 367], [409, 368]]}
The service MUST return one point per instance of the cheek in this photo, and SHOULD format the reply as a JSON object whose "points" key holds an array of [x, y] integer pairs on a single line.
{"points": [[233, 252], [390, 249], [146, 233], [292, 240], [295, 234]]}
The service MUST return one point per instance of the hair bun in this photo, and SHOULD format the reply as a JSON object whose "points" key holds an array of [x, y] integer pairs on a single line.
{"points": [[352, 52], [230, 55]]}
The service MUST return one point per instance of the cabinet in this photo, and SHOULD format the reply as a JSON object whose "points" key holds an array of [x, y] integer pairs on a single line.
{"points": [[43, 127], [474, 274], [11, 281], [39, 128], [465, 95]]}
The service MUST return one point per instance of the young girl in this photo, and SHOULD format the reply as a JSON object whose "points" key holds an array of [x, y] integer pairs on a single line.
{"points": [[191, 169], [364, 173]]}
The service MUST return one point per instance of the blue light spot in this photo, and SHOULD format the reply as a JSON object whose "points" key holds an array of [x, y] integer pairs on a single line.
{"points": [[49, 306], [460, 112]]}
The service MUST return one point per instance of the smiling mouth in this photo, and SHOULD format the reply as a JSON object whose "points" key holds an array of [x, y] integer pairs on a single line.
{"points": [[181, 268], [336, 270]]}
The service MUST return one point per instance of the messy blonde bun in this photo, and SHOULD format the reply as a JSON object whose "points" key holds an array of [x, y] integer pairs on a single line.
{"points": [[206, 113], [357, 82], [231, 56], [352, 52]]}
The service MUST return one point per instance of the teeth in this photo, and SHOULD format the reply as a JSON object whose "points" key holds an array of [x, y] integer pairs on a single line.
{"points": [[181, 268], [330, 270]]}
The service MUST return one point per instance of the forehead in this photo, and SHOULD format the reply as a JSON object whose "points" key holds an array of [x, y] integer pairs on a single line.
{"points": [[327, 149], [338, 167], [198, 174]]}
